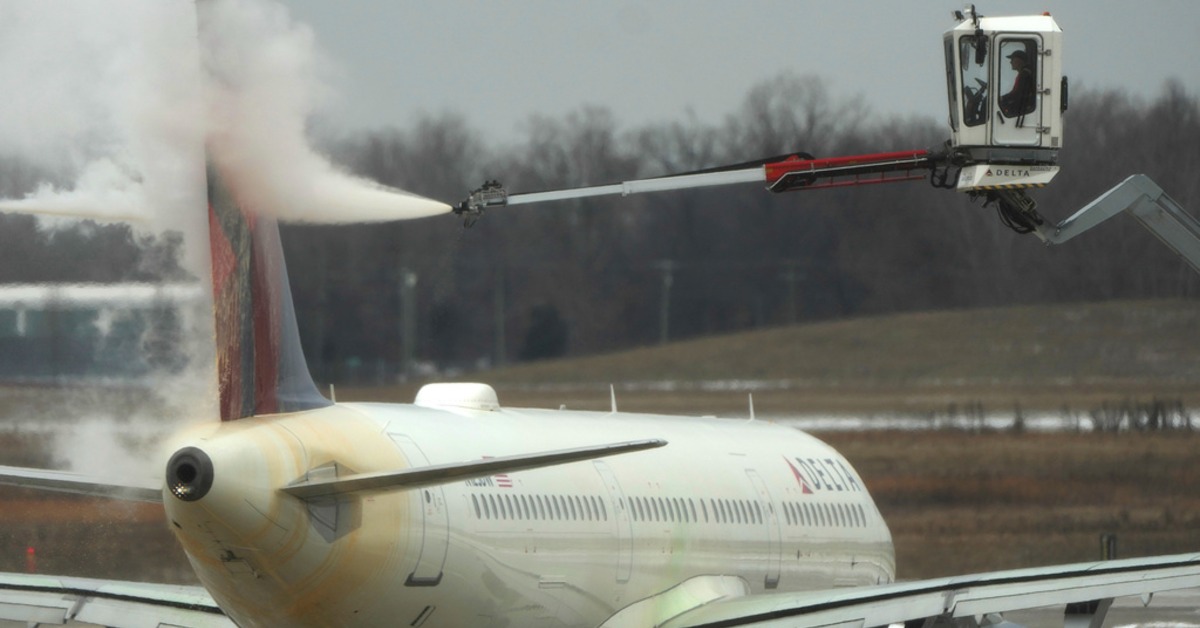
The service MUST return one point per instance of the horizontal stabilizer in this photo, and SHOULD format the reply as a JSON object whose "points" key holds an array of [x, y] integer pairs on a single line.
{"points": [[440, 474], [66, 482]]}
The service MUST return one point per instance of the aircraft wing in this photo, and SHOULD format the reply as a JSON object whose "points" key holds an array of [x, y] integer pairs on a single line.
{"points": [[38, 600], [1084, 590], [67, 482]]}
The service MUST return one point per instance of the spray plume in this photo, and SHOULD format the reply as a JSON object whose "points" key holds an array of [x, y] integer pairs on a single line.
{"points": [[126, 98], [123, 106]]}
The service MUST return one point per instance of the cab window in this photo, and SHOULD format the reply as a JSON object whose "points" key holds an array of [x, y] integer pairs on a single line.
{"points": [[1018, 77], [973, 56]]}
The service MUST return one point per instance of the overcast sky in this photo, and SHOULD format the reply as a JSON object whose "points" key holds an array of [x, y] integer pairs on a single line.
{"points": [[498, 62]]}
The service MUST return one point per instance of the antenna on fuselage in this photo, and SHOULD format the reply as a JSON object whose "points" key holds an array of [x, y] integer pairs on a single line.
{"points": [[751, 397], [612, 392]]}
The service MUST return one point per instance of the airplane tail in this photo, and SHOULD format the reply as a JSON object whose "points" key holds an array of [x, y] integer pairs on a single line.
{"points": [[260, 365]]}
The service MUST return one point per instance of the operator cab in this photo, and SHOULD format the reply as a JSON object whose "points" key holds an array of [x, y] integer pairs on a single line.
{"points": [[1007, 96]]}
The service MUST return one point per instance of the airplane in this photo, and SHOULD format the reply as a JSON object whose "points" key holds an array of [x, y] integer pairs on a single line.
{"points": [[454, 510]]}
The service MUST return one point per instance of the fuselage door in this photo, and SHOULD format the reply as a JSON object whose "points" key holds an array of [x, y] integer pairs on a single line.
{"points": [[435, 522], [620, 509], [771, 520]]}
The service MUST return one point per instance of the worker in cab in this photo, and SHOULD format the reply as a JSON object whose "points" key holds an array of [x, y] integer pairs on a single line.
{"points": [[1020, 99]]}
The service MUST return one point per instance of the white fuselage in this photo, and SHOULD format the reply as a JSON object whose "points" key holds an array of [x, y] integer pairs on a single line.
{"points": [[568, 545]]}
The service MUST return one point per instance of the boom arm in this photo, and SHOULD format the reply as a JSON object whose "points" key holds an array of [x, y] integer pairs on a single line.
{"points": [[781, 174], [1143, 199]]}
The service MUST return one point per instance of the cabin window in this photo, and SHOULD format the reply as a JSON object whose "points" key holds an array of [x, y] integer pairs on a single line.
{"points": [[556, 502], [541, 505], [496, 512], [704, 509], [758, 517], [475, 503], [692, 507]]}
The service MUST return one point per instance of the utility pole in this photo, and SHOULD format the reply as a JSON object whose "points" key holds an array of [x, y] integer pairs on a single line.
{"points": [[790, 277], [500, 349], [664, 311], [408, 321]]}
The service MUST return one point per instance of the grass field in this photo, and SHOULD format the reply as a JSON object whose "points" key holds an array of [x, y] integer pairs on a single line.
{"points": [[1042, 358]]}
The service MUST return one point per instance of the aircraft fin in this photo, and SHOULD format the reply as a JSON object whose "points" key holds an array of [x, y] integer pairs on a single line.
{"points": [[66, 482], [260, 365], [419, 477]]}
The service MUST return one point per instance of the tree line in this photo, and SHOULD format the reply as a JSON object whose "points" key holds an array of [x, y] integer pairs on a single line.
{"points": [[379, 301]]}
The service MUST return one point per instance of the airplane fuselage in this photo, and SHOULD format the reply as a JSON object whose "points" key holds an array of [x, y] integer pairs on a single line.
{"points": [[765, 506]]}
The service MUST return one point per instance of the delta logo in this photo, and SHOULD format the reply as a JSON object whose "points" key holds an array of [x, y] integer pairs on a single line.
{"points": [[1007, 172], [815, 475]]}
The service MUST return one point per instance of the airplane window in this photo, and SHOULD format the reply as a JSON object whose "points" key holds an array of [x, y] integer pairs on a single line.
{"points": [[742, 517], [587, 506], [692, 507], [862, 516], [541, 507], [556, 501], [827, 519], [496, 511], [637, 508], [704, 509], [571, 505], [673, 509], [603, 508], [524, 507], [509, 509], [758, 518], [726, 515], [475, 502]]}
